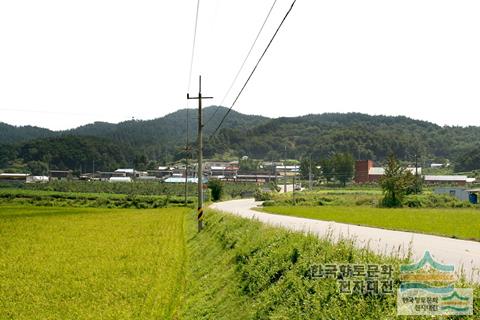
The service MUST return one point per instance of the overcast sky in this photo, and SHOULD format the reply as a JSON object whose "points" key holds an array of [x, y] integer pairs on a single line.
{"points": [[67, 63]]}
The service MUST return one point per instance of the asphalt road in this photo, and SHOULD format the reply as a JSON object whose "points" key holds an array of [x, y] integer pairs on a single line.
{"points": [[464, 255]]}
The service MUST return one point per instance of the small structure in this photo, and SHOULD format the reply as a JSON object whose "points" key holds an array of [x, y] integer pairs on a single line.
{"points": [[473, 195], [37, 179], [258, 178], [120, 179], [8, 177], [460, 193], [132, 173], [60, 174], [105, 176], [182, 180], [289, 171], [366, 172]]}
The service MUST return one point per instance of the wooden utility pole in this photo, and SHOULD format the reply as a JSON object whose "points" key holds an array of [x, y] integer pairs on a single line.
{"points": [[310, 186], [285, 170], [200, 154], [187, 150], [416, 173]]}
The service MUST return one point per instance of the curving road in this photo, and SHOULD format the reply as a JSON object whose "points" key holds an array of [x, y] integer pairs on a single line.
{"points": [[465, 255]]}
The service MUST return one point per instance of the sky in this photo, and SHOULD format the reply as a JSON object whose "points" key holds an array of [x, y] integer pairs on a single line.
{"points": [[68, 63]]}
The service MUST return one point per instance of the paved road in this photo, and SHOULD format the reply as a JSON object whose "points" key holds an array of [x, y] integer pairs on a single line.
{"points": [[461, 253]]}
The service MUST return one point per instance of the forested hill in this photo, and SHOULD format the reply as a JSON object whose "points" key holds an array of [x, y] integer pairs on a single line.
{"points": [[166, 134], [170, 128], [162, 140], [363, 136], [11, 134]]}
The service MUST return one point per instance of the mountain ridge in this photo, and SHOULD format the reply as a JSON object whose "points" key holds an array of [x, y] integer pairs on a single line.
{"points": [[317, 135]]}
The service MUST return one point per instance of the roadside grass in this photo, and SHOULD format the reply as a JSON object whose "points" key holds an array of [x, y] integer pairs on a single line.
{"points": [[78, 263], [242, 269], [454, 223]]}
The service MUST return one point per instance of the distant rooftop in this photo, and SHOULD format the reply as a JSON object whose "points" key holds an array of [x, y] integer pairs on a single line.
{"points": [[446, 178]]}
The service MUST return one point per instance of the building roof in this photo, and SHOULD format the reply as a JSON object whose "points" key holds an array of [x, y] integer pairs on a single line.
{"points": [[376, 171], [17, 175], [379, 171], [125, 170], [182, 180], [446, 178], [120, 179]]}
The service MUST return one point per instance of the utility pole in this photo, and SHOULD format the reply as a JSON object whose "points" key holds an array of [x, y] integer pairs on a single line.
{"points": [[416, 173], [285, 170], [187, 150], [200, 154], [310, 173], [293, 189]]}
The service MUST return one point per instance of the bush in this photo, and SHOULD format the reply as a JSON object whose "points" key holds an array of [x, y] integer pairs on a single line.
{"points": [[435, 201], [263, 196], [216, 186]]}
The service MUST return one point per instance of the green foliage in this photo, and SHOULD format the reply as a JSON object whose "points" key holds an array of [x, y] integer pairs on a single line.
{"points": [[37, 168], [263, 196], [216, 186], [435, 201], [92, 200], [364, 136], [328, 169], [307, 166], [469, 160], [394, 183], [249, 165], [230, 189], [264, 273], [343, 167], [75, 153], [331, 197]]}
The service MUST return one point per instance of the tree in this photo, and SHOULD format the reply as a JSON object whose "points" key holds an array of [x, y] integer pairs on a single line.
{"points": [[327, 169], [395, 183], [37, 168], [343, 164], [217, 189], [307, 165]]}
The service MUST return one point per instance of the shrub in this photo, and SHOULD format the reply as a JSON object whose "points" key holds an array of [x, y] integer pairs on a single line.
{"points": [[216, 186]]}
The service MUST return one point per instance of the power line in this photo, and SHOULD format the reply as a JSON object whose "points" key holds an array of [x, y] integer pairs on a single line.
{"points": [[191, 65], [187, 149], [243, 63], [255, 68]]}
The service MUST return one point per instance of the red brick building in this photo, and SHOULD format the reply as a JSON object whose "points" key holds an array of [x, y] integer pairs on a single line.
{"points": [[366, 172]]}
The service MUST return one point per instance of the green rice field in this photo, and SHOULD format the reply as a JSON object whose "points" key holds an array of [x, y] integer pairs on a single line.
{"points": [[455, 223], [79, 263]]}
